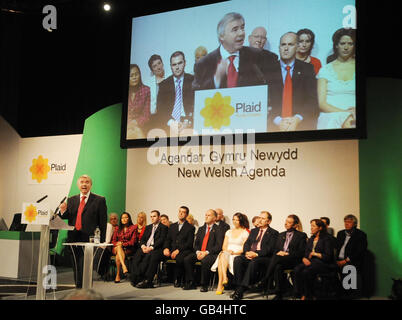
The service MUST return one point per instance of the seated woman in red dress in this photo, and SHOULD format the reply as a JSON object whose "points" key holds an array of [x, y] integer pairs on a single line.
{"points": [[123, 243]]}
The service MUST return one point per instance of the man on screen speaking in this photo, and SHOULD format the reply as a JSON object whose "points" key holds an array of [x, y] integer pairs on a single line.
{"points": [[231, 64]]}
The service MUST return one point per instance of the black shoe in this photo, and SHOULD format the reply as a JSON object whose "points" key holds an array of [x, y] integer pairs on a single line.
{"points": [[237, 295], [177, 283], [277, 297], [190, 286], [145, 284], [260, 285], [204, 289]]}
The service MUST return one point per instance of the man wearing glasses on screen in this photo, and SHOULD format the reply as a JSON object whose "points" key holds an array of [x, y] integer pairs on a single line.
{"points": [[232, 64], [175, 103]]}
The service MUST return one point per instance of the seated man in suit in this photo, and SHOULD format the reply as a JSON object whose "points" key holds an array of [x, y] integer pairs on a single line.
{"points": [[208, 244], [179, 244], [294, 97], [257, 251], [146, 260], [85, 211], [289, 252], [232, 64], [175, 102], [351, 245], [220, 221]]}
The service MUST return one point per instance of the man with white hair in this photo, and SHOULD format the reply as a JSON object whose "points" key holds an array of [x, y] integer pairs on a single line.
{"points": [[85, 212], [231, 64]]}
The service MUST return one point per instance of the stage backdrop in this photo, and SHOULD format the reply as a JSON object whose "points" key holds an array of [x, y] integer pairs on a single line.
{"points": [[310, 179]]}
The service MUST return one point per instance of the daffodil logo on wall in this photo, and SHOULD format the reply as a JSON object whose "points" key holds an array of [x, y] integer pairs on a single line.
{"points": [[30, 213], [217, 111], [39, 169]]}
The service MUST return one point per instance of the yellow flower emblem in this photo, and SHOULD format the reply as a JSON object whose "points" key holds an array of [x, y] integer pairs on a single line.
{"points": [[39, 169], [217, 111], [30, 213]]}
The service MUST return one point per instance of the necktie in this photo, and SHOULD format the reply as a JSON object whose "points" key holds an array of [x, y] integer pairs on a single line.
{"points": [[342, 251], [255, 243], [151, 238], [205, 241], [78, 221], [287, 95], [232, 74], [178, 102], [287, 241]]}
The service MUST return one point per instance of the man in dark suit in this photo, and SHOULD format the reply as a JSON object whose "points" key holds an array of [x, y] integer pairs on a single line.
{"points": [[257, 251], [294, 98], [85, 212], [289, 252], [220, 222], [208, 244], [351, 244], [232, 64], [175, 102], [146, 260], [179, 243]]}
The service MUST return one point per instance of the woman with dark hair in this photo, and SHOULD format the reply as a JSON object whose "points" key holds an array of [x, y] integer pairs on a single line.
{"points": [[231, 248], [305, 44], [318, 257], [123, 243], [155, 64], [337, 85], [139, 99]]}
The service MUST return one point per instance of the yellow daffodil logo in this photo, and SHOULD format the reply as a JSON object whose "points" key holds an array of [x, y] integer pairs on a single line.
{"points": [[39, 169], [217, 111], [30, 213]]}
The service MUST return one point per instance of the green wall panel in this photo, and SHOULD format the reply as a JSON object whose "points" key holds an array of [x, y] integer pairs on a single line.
{"points": [[381, 180]]}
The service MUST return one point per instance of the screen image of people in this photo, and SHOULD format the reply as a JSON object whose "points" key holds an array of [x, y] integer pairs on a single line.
{"points": [[258, 65]]}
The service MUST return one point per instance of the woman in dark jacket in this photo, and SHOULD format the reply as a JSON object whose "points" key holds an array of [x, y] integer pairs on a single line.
{"points": [[318, 258]]}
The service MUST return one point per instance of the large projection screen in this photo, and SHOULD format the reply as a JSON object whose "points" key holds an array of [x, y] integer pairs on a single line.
{"points": [[212, 99]]}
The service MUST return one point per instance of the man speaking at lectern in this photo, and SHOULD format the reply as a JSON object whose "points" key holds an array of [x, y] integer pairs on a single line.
{"points": [[85, 212]]}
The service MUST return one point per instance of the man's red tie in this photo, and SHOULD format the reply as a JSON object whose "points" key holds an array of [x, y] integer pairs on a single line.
{"points": [[232, 74], [287, 96], [205, 241], [78, 223]]}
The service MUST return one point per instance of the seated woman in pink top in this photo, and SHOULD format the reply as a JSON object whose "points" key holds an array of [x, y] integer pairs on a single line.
{"points": [[123, 243], [139, 101], [305, 45]]}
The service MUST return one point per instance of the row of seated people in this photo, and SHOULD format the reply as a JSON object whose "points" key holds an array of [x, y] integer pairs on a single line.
{"points": [[256, 259]]}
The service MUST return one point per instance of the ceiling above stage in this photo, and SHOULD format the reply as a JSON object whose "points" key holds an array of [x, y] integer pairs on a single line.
{"points": [[52, 81]]}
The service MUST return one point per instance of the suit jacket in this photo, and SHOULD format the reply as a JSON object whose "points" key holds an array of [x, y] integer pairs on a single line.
{"points": [[166, 99], [297, 245], [182, 240], [159, 236], [356, 246], [94, 215], [323, 246], [268, 242], [305, 98], [214, 245], [253, 65]]}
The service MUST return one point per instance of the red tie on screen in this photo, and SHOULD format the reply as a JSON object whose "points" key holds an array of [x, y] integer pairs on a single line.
{"points": [[287, 96], [78, 224], [232, 74], [205, 241]]}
